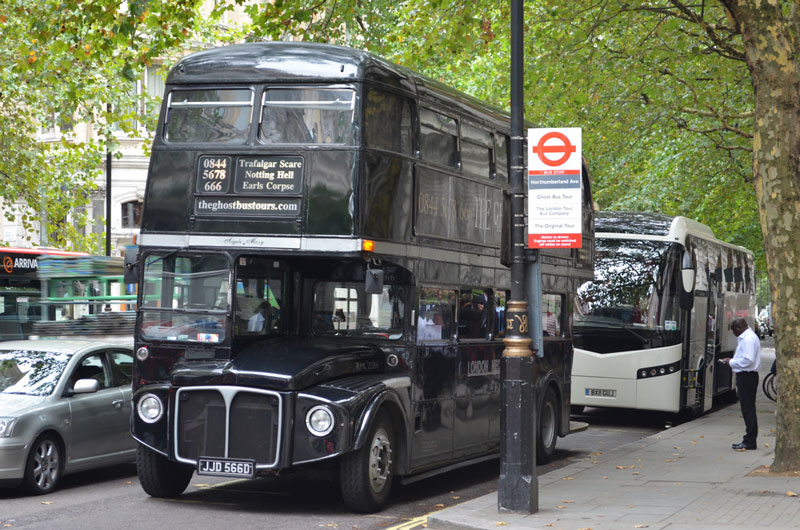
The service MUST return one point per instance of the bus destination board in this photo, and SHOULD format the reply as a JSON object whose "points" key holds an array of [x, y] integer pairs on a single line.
{"points": [[269, 175], [269, 186]]}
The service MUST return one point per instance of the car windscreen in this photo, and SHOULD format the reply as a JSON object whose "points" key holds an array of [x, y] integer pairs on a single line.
{"points": [[31, 372]]}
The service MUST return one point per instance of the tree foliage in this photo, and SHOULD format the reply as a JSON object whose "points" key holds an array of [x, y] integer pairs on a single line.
{"points": [[71, 62]]}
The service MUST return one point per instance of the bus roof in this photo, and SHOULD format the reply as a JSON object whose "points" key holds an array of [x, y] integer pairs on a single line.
{"points": [[309, 62], [653, 226]]}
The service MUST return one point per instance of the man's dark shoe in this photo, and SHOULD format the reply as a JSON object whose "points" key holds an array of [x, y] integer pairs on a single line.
{"points": [[743, 446]]}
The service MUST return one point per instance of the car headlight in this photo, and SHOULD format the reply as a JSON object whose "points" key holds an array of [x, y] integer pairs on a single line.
{"points": [[150, 408], [6, 426], [319, 420]]}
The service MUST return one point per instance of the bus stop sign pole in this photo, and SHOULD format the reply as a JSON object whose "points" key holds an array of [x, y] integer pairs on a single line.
{"points": [[518, 487]]}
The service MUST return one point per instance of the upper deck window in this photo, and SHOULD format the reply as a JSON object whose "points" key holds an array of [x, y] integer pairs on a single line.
{"points": [[501, 157], [387, 122], [307, 116], [476, 151], [439, 138], [209, 115]]}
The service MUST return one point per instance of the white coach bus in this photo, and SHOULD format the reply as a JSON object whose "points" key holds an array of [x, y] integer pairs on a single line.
{"points": [[651, 325]]}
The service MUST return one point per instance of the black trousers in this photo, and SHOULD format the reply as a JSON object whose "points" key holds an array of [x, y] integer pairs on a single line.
{"points": [[747, 384]]}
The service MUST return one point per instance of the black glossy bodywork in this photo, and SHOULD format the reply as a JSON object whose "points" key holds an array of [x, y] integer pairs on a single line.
{"points": [[432, 226]]}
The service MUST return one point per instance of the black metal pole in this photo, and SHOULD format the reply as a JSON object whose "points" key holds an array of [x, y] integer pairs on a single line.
{"points": [[108, 194], [518, 487]]}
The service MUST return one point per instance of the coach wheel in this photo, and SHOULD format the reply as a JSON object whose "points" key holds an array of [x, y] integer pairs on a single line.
{"points": [[366, 474], [547, 434]]}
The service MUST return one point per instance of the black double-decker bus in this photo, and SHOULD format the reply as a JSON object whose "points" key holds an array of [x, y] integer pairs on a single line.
{"points": [[321, 275]]}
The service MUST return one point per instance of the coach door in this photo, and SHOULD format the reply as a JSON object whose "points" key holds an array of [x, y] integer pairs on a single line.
{"points": [[714, 319]]}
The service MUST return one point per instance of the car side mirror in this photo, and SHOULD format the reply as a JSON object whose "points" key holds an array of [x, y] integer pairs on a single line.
{"points": [[86, 386]]}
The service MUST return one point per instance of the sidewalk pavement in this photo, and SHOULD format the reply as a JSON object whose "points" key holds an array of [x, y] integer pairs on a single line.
{"points": [[686, 477]]}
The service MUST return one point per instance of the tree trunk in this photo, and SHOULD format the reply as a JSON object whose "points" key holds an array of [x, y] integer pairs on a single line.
{"points": [[768, 40]]}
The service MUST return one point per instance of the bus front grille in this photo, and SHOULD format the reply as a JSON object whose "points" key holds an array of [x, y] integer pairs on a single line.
{"points": [[228, 422]]}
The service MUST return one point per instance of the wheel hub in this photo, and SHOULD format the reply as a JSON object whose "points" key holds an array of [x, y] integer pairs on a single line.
{"points": [[45, 471], [380, 460]]}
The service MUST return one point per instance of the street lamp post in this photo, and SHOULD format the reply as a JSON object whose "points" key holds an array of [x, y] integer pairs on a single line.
{"points": [[518, 489]]}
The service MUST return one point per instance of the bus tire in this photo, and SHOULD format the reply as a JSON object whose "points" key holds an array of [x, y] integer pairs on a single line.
{"points": [[366, 474], [547, 433], [43, 466], [159, 476]]}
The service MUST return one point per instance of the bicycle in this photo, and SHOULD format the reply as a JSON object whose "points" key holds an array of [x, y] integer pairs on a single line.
{"points": [[770, 384]]}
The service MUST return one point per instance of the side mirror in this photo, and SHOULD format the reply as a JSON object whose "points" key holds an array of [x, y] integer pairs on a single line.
{"points": [[86, 386], [373, 281], [131, 265], [688, 272]]}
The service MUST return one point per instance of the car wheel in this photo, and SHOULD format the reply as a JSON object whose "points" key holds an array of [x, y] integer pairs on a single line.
{"points": [[366, 474], [43, 468], [159, 476], [547, 434]]}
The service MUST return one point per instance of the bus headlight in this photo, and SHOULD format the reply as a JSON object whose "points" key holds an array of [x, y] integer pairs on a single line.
{"points": [[142, 353], [319, 420], [150, 408]]}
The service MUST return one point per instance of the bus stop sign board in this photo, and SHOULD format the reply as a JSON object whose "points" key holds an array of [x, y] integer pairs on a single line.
{"points": [[554, 188]]}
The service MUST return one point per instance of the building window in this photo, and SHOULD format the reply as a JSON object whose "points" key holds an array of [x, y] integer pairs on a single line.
{"points": [[131, 214]]}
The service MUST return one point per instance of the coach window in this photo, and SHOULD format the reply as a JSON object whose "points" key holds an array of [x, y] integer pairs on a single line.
{"points": [[476, 151], [387, 122], [501, 157], [473, 314], [552, 315], [439, 138], [436, 314]]}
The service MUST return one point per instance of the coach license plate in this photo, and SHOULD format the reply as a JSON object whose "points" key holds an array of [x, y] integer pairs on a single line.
{"points": [[224, 467], [601, 392]]}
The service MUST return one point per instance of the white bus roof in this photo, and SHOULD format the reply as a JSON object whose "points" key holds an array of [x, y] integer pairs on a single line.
{"points": [[656, 227]]}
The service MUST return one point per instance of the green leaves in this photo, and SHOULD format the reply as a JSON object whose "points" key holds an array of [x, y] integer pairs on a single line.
{"points": [[65, 62]]}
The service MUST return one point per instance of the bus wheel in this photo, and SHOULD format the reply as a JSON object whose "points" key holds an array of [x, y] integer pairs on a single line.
{"points": [[43, 468], [547, 434], [158, 476], [366, 474]]}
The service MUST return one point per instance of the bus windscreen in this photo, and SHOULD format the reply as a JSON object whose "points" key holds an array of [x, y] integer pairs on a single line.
{"points": [[634, 291]]}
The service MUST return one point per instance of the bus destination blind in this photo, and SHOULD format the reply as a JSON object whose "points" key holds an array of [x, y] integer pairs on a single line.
{"points": [[269, 186]]}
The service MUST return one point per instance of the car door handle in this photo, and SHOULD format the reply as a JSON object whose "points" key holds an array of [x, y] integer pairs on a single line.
{"points": [[117, 403]]}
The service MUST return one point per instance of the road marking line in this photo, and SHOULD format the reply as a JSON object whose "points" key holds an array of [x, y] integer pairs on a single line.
{"points": [[411, 524]]}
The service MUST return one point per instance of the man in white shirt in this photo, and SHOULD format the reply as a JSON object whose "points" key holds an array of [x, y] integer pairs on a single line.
{"points": [[745, 363]]}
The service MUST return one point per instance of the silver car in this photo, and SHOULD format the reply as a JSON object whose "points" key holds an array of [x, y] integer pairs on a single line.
{"points": [[65, 406]]}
